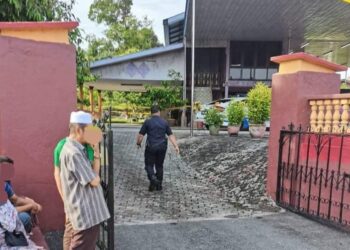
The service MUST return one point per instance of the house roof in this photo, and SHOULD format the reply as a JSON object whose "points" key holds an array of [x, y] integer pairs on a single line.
{"points": [[138, 55], [317, 27], [175, 19]]}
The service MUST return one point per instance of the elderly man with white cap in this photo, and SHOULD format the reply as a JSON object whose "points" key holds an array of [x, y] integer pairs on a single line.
{"points": [[84, 203]]}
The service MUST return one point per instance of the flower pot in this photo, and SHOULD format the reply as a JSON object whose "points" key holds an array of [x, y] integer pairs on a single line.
{"points": [[257, 131], [233, 130], [200, 124], [214, 130]]}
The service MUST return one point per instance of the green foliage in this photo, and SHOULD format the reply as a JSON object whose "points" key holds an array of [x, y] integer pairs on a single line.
{"points": [[168, 95], [27, 10], [36, 10], [214, 117], [124, 34], [235, 112], [259, 103], [110, 11], [344, 85]]}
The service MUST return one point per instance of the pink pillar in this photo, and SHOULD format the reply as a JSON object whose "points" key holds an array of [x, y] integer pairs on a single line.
{"points": [[37, 94], [300, 76]]}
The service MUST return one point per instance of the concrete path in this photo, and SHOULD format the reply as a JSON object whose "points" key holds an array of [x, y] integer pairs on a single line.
{"points": [[276, 232], [192, 214]]}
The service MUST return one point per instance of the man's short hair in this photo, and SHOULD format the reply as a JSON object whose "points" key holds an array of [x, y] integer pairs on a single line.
{"points": [[155, 109]]}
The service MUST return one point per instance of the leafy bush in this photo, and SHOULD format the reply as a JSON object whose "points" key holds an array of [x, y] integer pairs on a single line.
{"points": [[344, 85], [214, 117], [168, 95], [259, 103], [235, 112]]}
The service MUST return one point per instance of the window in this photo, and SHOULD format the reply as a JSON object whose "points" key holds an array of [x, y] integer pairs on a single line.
{"points": [[251, 60]]}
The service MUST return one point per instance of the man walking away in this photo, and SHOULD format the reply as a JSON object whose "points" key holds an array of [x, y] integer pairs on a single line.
{"points": [[156, 129], [83, 199]]}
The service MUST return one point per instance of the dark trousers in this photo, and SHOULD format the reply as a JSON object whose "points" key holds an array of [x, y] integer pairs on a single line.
{"points": [[80, 240], [154, 159]]}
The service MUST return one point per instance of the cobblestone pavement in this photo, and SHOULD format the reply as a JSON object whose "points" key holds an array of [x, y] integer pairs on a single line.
{"points": [[185, 196], [235, 165]]}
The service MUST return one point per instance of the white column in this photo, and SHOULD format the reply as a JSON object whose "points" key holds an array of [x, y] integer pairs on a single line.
{"points": [[193, 61], [228, 50]]}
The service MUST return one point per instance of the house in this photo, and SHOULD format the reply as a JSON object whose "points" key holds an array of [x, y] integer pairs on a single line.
{"points": [[235, 40]]}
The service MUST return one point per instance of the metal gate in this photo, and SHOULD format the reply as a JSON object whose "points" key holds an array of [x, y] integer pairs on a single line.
{"points": [[106, 237], [313, 175]]}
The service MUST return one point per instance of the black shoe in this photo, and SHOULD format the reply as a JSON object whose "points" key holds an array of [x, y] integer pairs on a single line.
{"points": [[159, 187], [151, 188]]}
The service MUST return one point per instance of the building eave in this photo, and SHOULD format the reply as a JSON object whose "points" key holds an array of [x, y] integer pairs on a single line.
{"points": [[135, 56]]}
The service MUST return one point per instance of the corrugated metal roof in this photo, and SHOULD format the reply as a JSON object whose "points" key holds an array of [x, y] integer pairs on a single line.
{"points": [[175, 19], [322, 24], [138, 55]]}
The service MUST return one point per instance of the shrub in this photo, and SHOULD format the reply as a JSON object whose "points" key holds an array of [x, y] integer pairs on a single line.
{"points": [[214, 117], [259, 103], [235, 112]]}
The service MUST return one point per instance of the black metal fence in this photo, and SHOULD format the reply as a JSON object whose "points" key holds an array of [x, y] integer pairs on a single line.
{"points": [[313, 175], [106, 237]]}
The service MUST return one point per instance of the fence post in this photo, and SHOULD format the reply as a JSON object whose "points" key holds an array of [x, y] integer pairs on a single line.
{"points": [[111, 190], [300, 75]]}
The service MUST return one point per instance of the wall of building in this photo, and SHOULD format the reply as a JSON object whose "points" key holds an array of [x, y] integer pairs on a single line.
{"points": [[154, 68], [38, 92]]}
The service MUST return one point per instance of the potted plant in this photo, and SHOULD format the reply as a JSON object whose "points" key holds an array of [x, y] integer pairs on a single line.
{"points": [[214, 119], [235, 115], [259, 105]]}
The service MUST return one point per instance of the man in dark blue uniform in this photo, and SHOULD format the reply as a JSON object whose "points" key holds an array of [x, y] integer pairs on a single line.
{"points": [[158, 132]]}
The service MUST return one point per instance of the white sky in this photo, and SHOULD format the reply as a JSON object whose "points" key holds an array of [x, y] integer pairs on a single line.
{"points": [[155, 10]]}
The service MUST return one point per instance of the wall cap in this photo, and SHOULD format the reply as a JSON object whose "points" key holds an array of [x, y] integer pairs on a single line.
{"points": [[309, 58], [38, 25]]}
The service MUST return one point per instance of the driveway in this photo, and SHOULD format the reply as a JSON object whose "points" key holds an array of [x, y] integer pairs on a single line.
{"points": [[285, 231]]}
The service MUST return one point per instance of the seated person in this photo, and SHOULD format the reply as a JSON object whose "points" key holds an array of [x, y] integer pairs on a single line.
{"points": [[25, 206], [9, 221]]}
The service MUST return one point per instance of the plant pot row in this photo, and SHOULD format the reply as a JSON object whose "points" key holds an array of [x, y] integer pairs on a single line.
{"points": [[256, 131]]}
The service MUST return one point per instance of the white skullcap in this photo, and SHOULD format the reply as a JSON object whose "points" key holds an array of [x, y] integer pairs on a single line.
{"points": [[80, 117]]}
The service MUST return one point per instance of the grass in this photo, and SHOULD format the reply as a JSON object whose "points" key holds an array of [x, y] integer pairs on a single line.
{"points": [[124, 121]]}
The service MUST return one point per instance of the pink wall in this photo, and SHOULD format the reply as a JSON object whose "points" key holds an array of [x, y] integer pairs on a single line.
{"points": [[290, 94], [37, 94]]}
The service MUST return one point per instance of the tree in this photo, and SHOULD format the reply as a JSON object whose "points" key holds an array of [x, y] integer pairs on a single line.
{"points": [[124, 34], [36, 10], [110, 11], [27, 10]]}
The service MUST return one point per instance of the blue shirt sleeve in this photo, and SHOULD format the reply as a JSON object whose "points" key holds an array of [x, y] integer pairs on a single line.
{"points": [[143, 129], [8, 189]]}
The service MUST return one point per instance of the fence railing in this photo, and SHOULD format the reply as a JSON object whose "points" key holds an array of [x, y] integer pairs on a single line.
{"points": [[330, 113], [106, 237], [314, 175], [206, 80]]}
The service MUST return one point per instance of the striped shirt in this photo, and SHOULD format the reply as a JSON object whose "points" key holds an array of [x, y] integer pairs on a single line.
{"points": [[84, 205]]}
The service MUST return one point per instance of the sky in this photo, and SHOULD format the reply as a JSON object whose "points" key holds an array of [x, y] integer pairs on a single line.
{"points": [[155, 10]]}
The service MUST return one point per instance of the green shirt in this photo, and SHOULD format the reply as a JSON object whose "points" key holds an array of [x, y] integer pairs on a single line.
{"points": [[58, 149]]}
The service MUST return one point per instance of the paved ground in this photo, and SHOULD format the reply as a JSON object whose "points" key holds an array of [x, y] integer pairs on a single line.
{"points": [[281, 231], [209, 196], [185, 196], [235, 165], [196, 210]]}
